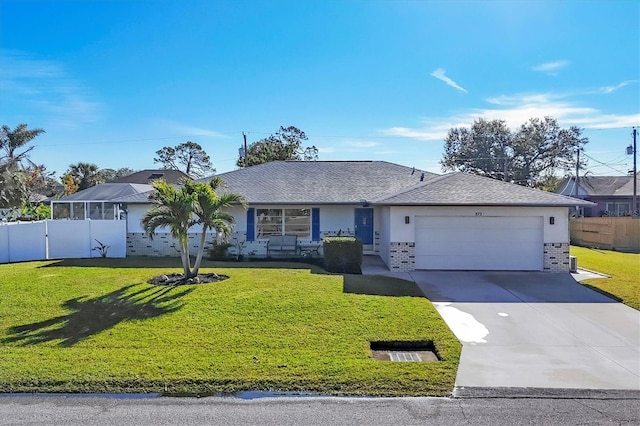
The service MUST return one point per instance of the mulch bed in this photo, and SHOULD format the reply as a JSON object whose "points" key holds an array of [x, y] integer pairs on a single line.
{"points": [[178, 279]]}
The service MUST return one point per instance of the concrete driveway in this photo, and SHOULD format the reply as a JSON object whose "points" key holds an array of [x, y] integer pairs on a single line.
{"points": [[535, 330]]}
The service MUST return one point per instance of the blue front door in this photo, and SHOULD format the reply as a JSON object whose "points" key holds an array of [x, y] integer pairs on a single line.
{"points": [[364, 225]]}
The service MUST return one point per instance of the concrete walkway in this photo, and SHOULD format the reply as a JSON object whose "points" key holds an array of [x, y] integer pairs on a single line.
{"points": [[532, 329]]}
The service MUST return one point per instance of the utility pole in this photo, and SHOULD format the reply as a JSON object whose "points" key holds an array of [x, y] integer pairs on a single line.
{"points": [[244, 157], [634, 206], [577, 171]]}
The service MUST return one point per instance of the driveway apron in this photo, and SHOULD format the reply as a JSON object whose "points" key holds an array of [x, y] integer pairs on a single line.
{"points": [[535, 330]]}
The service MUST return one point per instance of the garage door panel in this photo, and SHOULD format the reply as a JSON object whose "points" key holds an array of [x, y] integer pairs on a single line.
{"points": [[479, 243], [460, 239], [472, 263], [462, 249]]}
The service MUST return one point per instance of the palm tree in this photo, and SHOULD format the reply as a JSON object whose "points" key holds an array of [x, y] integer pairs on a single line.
{"points": [[173, 208], [180, 209], [85, 175], [12, 140], [15, 167], [211, 211]]}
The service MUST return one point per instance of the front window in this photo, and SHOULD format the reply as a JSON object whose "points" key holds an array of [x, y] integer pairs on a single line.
{"points": [[618, 209], [283, 221]]}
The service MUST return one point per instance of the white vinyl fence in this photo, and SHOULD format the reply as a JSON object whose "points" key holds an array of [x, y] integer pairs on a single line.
{"points": [[60, 239]]}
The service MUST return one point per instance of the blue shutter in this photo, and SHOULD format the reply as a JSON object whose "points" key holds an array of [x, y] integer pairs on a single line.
{"points": [[251, 224], [315, 224]]}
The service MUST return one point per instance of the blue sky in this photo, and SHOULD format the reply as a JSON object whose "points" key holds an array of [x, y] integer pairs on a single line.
{"points": [[111, 82]]}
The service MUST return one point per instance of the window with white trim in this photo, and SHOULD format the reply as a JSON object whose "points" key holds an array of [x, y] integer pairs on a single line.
{"points": [[271, 222]]}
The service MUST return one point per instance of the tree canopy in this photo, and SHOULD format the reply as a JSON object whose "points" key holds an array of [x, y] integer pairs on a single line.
{"points": [[84, 175], [285, 144], [19, 176], [527, 156], [188, 157], [109, 175]]}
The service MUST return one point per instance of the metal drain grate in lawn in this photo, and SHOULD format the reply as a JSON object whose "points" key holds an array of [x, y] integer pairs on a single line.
{"points": [[404, 357]]}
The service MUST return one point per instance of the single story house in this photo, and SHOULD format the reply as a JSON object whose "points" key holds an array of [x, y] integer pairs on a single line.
{"points": [[412, 219], [612, 195]]}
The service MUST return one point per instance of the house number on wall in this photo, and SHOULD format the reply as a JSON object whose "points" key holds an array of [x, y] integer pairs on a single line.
{"points": [[478, 213]]}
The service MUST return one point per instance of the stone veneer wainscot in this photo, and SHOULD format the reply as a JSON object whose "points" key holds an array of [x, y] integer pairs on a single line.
{"points": [[402, 256], [556, 257]]}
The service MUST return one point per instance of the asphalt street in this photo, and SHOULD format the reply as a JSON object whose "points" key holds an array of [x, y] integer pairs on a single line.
{"points": [[282, 411]]}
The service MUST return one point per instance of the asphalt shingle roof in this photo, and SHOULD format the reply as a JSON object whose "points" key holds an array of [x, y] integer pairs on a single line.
{"points": [[350, 182], [602, 185], [467, 189], [108, 192], [321, 182], [626, 190]]}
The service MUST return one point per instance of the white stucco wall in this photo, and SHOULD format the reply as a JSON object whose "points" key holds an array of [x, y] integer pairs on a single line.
{"points": [[382, 217], [332, 218], [240, 214], [135, 213], [402, 232], [335, 218]]}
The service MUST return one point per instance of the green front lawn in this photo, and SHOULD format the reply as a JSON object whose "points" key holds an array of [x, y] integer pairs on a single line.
{"points": [[96, 326], [623, 268]]}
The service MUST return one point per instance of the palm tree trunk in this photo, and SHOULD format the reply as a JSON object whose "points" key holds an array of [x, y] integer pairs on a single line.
{"points": [[186, 262], [203, 238]]}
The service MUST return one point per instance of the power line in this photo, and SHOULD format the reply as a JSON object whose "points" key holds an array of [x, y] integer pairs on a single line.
{"points": [[604, 164], [239, 132]]}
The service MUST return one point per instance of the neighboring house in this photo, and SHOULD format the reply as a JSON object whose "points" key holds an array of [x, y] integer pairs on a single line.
{"points": [[612, 195], [148, 176], [410, 218], [101, 202]]}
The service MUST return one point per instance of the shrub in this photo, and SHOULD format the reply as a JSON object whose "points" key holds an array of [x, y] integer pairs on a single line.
{"points": [[342, 254], [218, 251]]}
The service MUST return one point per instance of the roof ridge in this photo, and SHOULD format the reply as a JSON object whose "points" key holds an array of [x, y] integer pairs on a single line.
{"points": [[518, 186], [420, 184]]}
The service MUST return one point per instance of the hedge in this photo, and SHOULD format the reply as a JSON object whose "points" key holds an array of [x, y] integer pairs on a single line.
{"points": [[342, 254]]}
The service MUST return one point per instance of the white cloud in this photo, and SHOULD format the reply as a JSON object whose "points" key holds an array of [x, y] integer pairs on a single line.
{"points": [[364, 144], [326, 150], [551, 68], [47, 86], [440, 75], [425, 134], [516, 110], [351, 146], [609, 89], [197, 131], [175, 128]]}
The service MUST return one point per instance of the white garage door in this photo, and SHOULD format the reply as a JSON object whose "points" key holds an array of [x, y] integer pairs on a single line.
{"points": [[479, 243]]}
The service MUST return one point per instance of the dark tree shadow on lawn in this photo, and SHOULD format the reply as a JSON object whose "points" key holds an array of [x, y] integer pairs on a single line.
{"points": [[91, 316], [377, 285]]}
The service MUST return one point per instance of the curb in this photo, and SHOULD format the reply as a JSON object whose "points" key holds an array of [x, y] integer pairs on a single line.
{"points": [[544, 393]]}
